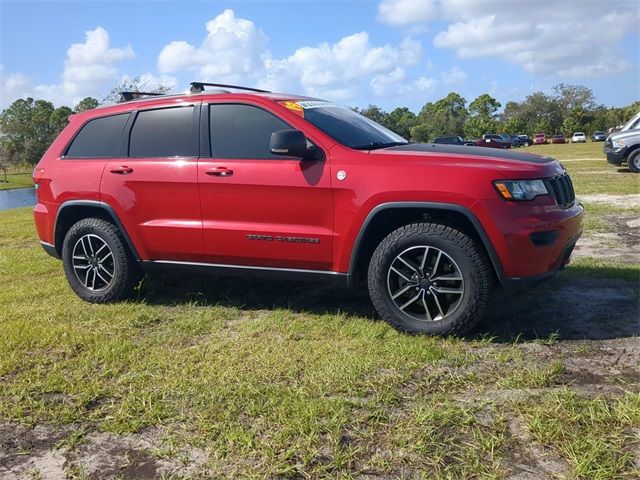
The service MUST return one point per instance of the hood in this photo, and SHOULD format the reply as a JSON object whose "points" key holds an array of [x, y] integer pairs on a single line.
{"points": [[482, 152], [635, 134]]}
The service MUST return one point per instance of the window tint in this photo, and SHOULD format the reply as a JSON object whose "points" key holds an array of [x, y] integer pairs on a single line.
{"points": [[162, 133], [242, 131], [98, 138]]}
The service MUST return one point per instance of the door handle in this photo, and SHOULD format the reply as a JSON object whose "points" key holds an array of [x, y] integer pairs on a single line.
{"points": [[220, 172], [123, 170]]}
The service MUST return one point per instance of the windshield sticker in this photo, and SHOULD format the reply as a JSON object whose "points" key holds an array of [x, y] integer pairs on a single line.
{"points": [[308, 104], [293, 106]]}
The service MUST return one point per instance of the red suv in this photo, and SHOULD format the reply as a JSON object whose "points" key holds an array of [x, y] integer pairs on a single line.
{"points": [[274, 185]]}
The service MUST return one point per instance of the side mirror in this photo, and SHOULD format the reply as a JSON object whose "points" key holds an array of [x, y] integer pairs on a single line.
{"points": [[293, 143]]}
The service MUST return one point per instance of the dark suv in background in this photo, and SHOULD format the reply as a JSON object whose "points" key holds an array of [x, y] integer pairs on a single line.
{"points": [[453, 140]]}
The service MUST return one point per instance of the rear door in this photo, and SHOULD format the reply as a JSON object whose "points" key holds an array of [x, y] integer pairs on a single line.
{"points": [[261, 209], [153, 183]]}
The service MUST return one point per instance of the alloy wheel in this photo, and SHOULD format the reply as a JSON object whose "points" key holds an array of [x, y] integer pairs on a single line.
{"points": [[425, 283], [93, 262]]}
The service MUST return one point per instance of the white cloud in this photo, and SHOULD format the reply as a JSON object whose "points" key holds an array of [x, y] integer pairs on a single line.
{"points": [[89, 68], [233, 48], [425, 84], [553, 37], [455, 76], [400, 13]]}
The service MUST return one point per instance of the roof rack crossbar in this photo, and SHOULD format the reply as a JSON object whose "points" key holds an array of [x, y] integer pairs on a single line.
{"points": [[128, 96], [197, 87]]}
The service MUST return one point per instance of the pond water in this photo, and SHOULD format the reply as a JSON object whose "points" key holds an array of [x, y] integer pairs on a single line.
{"points": [[19, 197]]}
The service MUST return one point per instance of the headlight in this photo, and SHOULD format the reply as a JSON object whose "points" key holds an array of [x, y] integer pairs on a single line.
{"points": [[520, 189], [617, 143]]}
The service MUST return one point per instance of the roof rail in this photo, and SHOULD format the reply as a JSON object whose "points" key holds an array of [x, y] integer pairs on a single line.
{"points": [[128, 96], [198, 87]]}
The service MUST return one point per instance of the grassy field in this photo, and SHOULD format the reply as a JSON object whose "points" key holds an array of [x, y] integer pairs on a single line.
{"points": [[208, 378], [15, 180]]}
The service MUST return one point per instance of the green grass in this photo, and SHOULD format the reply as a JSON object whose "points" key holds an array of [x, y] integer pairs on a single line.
{"points": [[281, 381], [15, 180], [589, 170]]}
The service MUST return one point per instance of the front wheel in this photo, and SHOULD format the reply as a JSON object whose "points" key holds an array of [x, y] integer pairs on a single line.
{"points": [[429, 278], [633, 161], [97, 263]]}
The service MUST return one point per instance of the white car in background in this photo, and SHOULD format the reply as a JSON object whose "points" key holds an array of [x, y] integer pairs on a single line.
{"points": [[579, 137]]}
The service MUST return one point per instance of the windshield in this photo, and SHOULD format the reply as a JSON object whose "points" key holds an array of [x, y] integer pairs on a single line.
{"points": [[346, 126], [632, 124]]}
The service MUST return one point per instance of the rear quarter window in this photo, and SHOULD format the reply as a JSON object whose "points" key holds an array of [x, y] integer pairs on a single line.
{"points": [[98, 138]]}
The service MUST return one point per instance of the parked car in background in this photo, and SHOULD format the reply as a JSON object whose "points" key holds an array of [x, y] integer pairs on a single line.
{"points": [[507, 139], [558, 139], [540, 139], [492, 143], [516, 141], [598, 136], [525, 140], [578, 137], [497, 138], [453, 140], [624, 147]]}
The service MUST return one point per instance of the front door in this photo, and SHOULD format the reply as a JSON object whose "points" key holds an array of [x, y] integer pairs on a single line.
{"points": [[261, 209]]}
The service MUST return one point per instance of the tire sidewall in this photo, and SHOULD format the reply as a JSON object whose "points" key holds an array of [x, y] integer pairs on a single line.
{"points": [[115, 289], [633, 161], [465, 264]]}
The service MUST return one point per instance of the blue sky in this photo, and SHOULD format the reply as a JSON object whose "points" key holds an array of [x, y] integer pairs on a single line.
{"points": [[388, 52]]}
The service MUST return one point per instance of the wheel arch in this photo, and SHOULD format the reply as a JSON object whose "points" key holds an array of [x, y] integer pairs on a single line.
{"points": [[386, 217], [72, 211]]}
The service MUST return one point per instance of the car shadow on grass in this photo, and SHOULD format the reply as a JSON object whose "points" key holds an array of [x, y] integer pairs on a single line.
{"points": [[585, 302]]}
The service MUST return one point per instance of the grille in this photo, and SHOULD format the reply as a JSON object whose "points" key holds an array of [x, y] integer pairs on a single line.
{"points": [[561, 189]]}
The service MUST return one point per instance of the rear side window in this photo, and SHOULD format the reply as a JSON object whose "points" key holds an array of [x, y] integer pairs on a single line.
{"points": [[98, 138], [165, 132], [242, 131]]}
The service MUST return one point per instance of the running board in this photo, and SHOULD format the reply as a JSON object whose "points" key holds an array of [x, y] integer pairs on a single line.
{"points": [[324, 276]]}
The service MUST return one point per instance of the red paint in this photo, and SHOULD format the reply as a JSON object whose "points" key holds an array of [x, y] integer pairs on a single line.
{"points": [[206, 209]]}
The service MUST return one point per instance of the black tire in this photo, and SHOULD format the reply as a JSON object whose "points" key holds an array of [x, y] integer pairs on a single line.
{"points": [[466, 256], [99, 234], [526, 144], [633, 161]]}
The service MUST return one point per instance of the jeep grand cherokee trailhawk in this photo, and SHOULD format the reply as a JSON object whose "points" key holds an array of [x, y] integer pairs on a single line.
{"points": [[274, 185]]}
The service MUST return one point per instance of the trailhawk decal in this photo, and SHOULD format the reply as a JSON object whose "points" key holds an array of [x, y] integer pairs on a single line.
{"points": [[281, 238]]}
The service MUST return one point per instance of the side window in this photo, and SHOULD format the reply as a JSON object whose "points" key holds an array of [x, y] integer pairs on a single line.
{"points": [[98, 138], [242, 131], [166, 132]]}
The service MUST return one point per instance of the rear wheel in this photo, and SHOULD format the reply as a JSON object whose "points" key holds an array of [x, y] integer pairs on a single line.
{"points": [[429, 278], [633, 161], [97, 263]]}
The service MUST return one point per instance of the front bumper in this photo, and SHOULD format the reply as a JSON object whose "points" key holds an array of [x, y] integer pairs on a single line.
{"points": [[533, 240], [615, 156]]}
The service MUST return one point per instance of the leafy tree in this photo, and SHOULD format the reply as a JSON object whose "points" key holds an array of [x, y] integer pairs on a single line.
{"points": [[447, 116], [28, 127], [137, 84], [375, 113], [401, 120], [60, 118], [483, 117], [87, 103]]}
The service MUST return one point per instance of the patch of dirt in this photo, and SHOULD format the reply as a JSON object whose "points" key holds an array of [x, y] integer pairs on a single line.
{"points": [[632, 200], [575, 308], [528, 460], [34, 451]]}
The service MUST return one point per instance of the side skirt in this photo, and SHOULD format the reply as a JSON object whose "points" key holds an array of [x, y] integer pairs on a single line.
{"points": [[335, 278]]}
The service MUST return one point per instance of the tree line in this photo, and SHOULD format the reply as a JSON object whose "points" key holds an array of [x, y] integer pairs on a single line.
{"points": [[568, 109], [28, 126]]}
